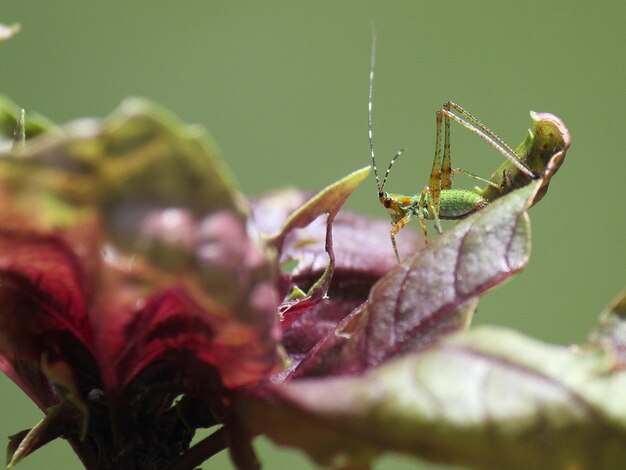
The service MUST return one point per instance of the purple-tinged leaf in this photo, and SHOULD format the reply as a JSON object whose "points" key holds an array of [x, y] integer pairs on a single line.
{"points": [[271, 210], [610, 331], [361, 244], [328, 201], [362, 248], [431, 293], [314, 323], [363, 254], [487, 398]]}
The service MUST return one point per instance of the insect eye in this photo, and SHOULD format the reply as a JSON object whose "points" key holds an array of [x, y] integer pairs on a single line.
{"points": [[387, 202]]}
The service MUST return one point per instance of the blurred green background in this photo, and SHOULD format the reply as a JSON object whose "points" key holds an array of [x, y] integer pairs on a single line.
{"points": [[282, 86]]}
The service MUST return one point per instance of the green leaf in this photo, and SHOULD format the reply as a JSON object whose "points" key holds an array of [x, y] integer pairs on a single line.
{"points": [[10, 113], [487, 398], [543, 151], [328, 201], [58, 421], [139, 158]]}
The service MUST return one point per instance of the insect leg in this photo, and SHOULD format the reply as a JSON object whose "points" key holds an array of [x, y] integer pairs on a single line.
{"points": [[478, 124], [474, 125], [456, 171], [446, 164], [434, 183], [396, 228], [425, 201]]}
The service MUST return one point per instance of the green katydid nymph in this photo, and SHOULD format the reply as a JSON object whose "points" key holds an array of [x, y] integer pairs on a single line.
{"points": [[437, 200]]}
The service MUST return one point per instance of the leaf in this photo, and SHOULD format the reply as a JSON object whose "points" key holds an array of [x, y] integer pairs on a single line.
{"points": [[431, 293], [543, 151], [487, 398], [139, 159], [328, 201], [363, 254], [166, 225], [60, 373], [58, 421], [293, 219], [14, 443], [362, 244], [610, 331], [10, 113], [27, 375], [128, 278], [42, 293]]}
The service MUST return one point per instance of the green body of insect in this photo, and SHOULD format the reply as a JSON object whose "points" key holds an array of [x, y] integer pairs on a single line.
{"points": [[539, 156], [453, 204]]}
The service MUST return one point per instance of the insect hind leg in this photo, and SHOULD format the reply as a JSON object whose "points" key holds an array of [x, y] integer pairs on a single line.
{"points": [[456, 171], [475, 126]]}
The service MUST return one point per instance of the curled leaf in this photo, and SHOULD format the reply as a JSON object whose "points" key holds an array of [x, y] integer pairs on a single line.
{"points": [[543, 151], [328, 201]]}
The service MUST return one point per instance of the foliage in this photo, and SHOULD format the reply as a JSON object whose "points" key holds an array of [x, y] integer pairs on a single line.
{"points": [[143, 298]]}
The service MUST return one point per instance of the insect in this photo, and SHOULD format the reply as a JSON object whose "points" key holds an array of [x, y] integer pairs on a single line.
{"points": [[437, 199]]}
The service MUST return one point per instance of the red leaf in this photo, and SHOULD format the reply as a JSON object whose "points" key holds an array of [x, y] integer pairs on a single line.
{"points": [[43, 290]]}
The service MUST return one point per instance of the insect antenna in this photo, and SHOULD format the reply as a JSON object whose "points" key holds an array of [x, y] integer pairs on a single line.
{"points": [[369, 114], [393, 160], [380, 186]]}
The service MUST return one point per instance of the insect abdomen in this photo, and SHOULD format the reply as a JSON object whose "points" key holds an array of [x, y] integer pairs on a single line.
{"points": [[459, 203]]}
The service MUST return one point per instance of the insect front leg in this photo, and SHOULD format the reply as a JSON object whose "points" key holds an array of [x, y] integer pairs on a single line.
{"points": [[396, 228]]}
